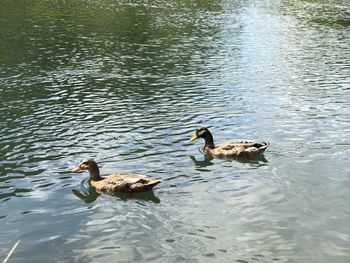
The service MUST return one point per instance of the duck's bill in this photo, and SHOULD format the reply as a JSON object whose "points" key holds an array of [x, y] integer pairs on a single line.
{"points": [[76, 169], [194, 137]]}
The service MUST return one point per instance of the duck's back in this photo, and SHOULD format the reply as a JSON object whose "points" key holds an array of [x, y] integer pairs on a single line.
{"points": [[124, 182], [239, 148]]}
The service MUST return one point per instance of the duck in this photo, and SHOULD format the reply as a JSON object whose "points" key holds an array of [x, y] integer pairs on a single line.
{"points": [[122, 182], [246, 149]]}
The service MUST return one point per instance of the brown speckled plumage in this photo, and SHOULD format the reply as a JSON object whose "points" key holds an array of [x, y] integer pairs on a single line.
{"points": [[124, 182], [247, 149], [119, 182]]}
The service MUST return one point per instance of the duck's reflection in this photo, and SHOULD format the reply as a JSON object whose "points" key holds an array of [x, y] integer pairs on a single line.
{"points": [[207, 161], [89, 194], [259, 160], [140, 196]]}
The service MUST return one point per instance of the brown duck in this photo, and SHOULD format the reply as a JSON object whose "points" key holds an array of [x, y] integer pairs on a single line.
{"points": [[119, 182], [247, 149]]}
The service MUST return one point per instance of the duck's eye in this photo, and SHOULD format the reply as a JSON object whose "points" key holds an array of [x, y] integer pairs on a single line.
{"points": [[85, 163]]}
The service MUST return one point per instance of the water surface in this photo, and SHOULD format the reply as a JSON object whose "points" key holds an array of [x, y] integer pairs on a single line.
{"points": [[127, 84]]}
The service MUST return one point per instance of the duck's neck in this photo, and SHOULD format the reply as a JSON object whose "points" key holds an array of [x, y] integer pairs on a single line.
{"points": [[94, 172], [209, 142]]}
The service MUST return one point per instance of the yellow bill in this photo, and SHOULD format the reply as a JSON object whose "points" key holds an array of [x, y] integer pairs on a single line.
{"points": [[194, 137]]}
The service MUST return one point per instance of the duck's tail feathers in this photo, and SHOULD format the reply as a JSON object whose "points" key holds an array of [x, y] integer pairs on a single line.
{"points": [[151, 184], [263, 146]]}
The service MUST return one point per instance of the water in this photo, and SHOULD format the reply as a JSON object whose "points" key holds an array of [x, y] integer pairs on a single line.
{"points": [[127, 84]]}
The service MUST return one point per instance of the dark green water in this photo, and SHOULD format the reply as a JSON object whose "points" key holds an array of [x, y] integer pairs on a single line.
{"points": [[127, 83]]}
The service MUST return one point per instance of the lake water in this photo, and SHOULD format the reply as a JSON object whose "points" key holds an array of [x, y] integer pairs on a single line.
{"points": [[128, 82]]}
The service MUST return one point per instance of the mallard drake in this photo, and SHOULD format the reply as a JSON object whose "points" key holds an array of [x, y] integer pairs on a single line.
{"points": [[119, 182], [247, 149]]}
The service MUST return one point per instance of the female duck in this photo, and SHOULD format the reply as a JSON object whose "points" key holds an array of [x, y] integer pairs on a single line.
{"points": [[247, 149], [119, 182]]}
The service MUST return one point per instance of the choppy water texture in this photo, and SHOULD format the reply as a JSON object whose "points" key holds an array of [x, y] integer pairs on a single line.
{"points": [[127, 82]]}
